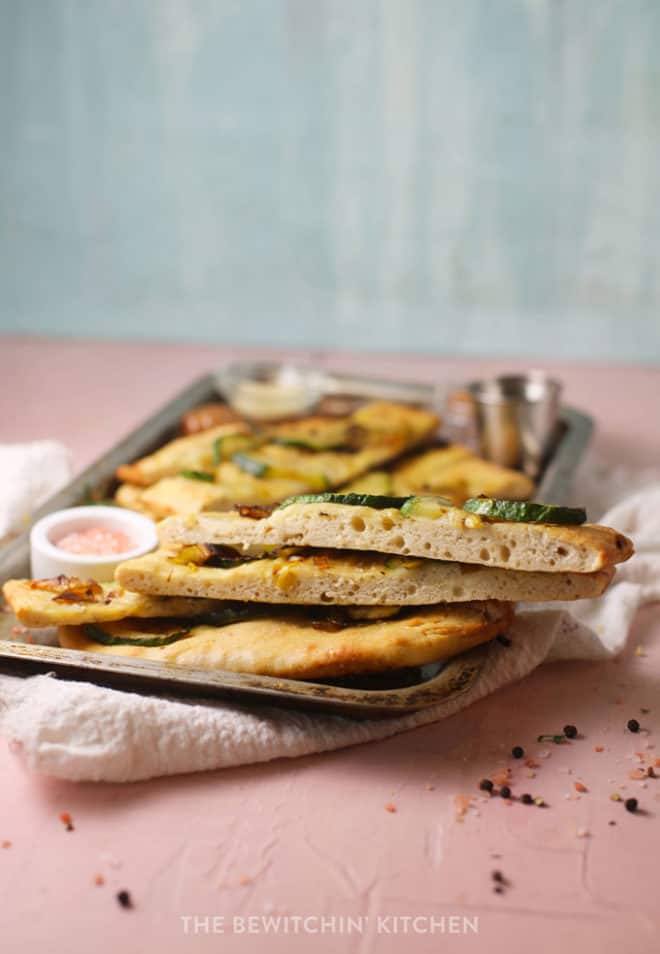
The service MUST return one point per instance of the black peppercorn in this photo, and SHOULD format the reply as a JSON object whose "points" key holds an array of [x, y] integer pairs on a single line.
{"points": [[486, 785], [631, 804], [497, 876], [527, 799], [633, 725], [570, 731], [124, 899], [505, 791], [517, 751]]}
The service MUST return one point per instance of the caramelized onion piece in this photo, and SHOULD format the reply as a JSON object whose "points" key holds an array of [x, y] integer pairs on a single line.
{"points": [[71, 589], [56, 584], [209, 554], [253, 511], [328, 625]]}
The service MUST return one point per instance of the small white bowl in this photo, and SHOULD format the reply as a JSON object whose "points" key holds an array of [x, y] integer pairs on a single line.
{"points": [[47, 560]]}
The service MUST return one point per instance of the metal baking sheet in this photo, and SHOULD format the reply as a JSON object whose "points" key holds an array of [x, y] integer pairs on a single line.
{"points": [[422, 686], [400, 692]]}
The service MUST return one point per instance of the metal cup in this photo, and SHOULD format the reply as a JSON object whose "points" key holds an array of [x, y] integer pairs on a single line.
{"points": [[516, 418]]}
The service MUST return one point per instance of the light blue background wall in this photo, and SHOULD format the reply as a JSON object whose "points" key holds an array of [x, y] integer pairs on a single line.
{"points": [[451, 175]]}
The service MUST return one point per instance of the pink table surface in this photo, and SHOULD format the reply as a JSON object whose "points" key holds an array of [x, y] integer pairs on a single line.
{"points": [[311, 837]]}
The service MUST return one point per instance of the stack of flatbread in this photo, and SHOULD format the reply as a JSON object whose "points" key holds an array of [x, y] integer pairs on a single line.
{"points": [[327, 585]]}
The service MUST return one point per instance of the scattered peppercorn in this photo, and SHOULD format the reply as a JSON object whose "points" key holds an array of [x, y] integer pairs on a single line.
{"points": [[505, 792], [498, 889], [526, 799], [486, 785], [124, 899], [570, 731], [497, 876], [611, 823], [504, 640], [631, 804], [633, 725], [517, 751]]}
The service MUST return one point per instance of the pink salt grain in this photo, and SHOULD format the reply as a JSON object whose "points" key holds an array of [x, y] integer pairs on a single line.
{"points": [[95, 541]]}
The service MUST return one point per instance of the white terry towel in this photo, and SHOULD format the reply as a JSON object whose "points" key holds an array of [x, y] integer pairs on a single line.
{"points": [[84, 732], [29, 474]]}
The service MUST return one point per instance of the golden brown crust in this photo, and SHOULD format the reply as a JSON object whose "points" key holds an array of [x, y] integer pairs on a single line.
{"points": [[290, 647]]}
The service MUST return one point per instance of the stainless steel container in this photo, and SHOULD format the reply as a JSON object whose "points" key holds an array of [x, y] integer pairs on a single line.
{"points": [[516, 419]]}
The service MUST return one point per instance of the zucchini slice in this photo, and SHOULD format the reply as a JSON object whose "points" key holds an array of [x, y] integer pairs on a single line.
{"points": [[523, 511], [225, 447], [98, 635], [222, 617], [250, 465], [198, 475], [381, 502], [430, 507]]}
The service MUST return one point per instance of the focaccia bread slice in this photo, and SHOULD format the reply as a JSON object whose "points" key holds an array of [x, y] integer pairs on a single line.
{"points": [[302, 644], [456, 473], [452, 534], [195, 452], [343, 577], [70, 601]]}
